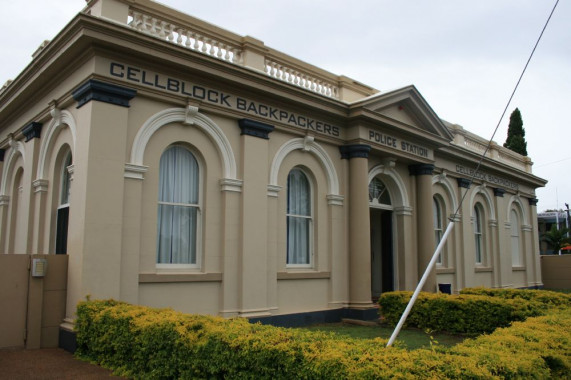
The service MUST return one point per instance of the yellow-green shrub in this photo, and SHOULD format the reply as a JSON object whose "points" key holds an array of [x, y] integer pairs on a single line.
{"points": [[465, 313], [545, 297], [148, 343]]}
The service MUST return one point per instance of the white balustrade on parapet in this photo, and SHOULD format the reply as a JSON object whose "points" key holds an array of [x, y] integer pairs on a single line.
{"points": [[185, 37], [304, 80]]}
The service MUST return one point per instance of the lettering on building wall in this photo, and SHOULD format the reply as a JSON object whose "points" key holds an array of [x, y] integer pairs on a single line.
{"points": [[471, 173], [181, 87], [395, 143]]}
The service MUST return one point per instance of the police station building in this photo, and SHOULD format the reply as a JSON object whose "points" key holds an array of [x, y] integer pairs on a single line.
{"points": [[180, 165]]}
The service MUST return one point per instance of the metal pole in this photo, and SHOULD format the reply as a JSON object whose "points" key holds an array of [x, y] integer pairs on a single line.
{"points": [[420, 284]]}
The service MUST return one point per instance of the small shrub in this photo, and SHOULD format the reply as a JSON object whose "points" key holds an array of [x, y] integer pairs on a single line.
{"points": [[465, 313]]}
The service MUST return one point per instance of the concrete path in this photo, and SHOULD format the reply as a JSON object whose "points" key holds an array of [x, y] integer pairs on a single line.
{"points": [[47, 363]]}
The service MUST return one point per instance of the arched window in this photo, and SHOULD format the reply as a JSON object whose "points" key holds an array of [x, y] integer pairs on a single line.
{"points": [[378, 193], [515, 228], [299, 220], [437, 215], [62, 222], [179, 208], [479, 233]]}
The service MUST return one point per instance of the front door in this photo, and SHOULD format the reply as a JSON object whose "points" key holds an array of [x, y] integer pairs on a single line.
{"points": [[382, 274]]}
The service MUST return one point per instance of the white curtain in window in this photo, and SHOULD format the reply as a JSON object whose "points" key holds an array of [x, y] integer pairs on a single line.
{"points": [[516, 261], [298, 218], [437, 214], [178, 207], [478, 234]]}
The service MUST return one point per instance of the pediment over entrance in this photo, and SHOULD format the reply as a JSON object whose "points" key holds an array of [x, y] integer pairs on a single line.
{"points": [[403, 108]]}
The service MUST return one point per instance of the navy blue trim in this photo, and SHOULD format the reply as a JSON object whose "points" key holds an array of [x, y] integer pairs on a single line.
{"points": [[32, 130], [67, 340], [103, 92], [255, 128], [354, 151], [533, 201], [535, 287], [464, 182], [499, 192], [2, 151], [421, 169], [317, 317]]}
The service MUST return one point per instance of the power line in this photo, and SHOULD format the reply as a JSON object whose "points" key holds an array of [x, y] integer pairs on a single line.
{"points": [[506, 108]]}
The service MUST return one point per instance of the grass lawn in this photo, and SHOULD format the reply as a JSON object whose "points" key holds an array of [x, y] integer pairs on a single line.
{"points": [[411, 338]]}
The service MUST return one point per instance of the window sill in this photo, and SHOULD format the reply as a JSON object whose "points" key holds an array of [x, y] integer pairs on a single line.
{"points": [[445, 270], [483, 269], [303, 275], [518, 269], [146, 278]]}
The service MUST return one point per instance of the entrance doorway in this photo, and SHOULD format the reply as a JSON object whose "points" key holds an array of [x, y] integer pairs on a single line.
{"points": [[382, 272]]}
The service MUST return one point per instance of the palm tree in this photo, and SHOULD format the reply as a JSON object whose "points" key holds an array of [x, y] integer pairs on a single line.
{"points": [[557, 238]]}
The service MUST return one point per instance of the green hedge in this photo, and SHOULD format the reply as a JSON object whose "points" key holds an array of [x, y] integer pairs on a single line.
{"points": [[465, 313], [146, 343], [546, 298]]}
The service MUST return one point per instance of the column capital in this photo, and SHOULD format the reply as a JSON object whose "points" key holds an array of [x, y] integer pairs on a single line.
{"points": [[499, 192], [421, 169], [32, 130], [533, 201], [464, 182], [255, 128], [354, 151], [103, 92]]}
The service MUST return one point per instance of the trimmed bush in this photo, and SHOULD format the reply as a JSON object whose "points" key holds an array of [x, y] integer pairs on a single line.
{"points": [[147, 343], [465, 313], [546, 298]]}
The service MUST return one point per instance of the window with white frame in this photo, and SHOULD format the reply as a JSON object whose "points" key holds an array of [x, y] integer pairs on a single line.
{"points": [[299, 220], [178, 208], [437, 215], [515, 240], [479, 233], [62, 218]]}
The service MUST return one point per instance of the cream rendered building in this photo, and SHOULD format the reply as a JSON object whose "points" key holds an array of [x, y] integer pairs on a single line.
{"points": [[180, 165]]}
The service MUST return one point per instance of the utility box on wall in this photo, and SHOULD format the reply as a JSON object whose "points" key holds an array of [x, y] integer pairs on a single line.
{"points": [[39, 267]]}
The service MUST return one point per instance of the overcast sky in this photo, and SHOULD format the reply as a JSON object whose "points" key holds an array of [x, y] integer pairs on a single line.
{"points": [[464, 57]]}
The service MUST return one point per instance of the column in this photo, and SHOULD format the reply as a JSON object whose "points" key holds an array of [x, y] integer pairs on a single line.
{"points": [[535, 267], [465, 237], [97, 194], [4, 204], [230, 294], [254, 244], [501, 255], [359, 225], [32, 133], [424, 222]]}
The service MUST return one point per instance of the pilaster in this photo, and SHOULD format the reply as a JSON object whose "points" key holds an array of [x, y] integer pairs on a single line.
{"points": [[425, 222], [359, 225], [535, 264], [97, 199], [253, 261]]}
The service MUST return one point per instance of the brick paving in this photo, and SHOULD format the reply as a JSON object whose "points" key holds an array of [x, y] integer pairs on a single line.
{"points": [[47, 364]]}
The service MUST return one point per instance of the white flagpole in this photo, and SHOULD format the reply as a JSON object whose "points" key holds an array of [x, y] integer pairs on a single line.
{"points": [[420, 284]]}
